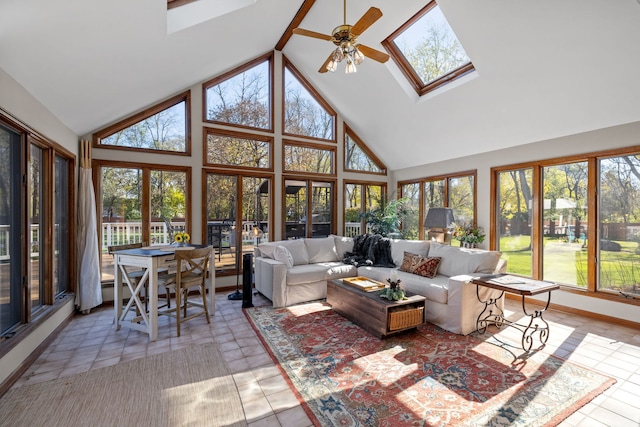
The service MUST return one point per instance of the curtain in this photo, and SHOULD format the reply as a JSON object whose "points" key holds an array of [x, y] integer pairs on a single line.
{"points": [[89, 292]]}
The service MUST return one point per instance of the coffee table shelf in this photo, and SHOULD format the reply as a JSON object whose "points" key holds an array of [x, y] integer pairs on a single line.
{"points": [[378, 316]]}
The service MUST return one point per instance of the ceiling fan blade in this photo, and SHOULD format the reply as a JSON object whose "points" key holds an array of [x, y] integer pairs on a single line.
{"points": [[323, 68], [371, 16], [376, 55], [303, 32]]}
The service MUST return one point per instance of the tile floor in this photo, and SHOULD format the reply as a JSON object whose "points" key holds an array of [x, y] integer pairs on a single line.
{"points": [[91, 342]]}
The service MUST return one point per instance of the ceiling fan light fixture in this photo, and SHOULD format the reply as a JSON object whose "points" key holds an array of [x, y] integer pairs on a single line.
{"points": [[351, 66], [332, 66], [358, 57]]}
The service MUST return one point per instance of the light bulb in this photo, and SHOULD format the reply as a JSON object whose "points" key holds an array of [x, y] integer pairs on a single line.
{"points": [[351, 68], [332, 66], [358, 58]]}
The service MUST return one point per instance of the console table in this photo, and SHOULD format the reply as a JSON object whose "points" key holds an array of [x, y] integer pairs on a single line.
{"points": [[524, 287]]}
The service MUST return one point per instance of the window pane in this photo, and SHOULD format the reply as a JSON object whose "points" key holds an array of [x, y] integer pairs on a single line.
{"points": [[121, 211], [514, 204], [237, 151], [61, 244], [243, 99], [431, 47], [165, 130], [303, 114], [619, 231], [461, 199], [433, 194], [295, 208], [564, 223], [35, 203], [352, 210], [10, 225], [356, 159], [308, 159], [255, 211], [168, 205], [411, 224], [222, 200], [321, 208]]}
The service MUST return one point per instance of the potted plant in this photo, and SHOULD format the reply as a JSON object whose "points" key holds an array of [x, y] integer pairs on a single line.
{"points": [[469, 235], [386, 218]]}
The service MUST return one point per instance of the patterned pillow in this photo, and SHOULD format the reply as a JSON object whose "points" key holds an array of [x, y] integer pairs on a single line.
{"points": [[427, 267], [409, 261]]}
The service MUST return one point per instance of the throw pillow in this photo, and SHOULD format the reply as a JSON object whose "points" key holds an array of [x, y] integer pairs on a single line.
{"points": [[427, 267], [409, 261], [283, 255]]}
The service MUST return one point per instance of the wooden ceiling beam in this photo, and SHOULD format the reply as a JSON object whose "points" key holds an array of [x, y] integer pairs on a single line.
{"points": [[295, 22]]}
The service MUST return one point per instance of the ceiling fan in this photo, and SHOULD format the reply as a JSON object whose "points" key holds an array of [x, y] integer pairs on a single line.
{"points": [[346, 38]]}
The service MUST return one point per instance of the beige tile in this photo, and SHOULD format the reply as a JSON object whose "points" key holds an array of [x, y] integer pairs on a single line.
{"points": [[256, 409], [282, 400], [294, 417]]}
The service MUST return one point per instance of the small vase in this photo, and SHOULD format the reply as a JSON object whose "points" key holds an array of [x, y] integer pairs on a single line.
{"points": [[179, 244]]}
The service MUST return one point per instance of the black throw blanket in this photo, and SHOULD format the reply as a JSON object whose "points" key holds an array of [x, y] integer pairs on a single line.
{"points": [[370, 249]]}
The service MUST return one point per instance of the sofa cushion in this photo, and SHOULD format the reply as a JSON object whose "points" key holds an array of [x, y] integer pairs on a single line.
{"points": [[457, 261], [400, 246], [283, 255], [338, 270], [343, 244], [298, 250], [321, 250], [408, 261], [427, 267], [306, 273]]}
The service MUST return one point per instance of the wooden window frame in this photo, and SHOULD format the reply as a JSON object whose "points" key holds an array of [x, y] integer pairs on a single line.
{"points": [[592, 158], [287, 65], [309, 178], [446, 178], [347, 131], [362, 184], [331, 149], [268, 57], [401, 61], [239, 175], [145, 114], [145, 202], [206, 131]]}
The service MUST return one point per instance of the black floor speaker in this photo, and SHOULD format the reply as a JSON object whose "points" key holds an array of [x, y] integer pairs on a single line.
{"points": [[247, 282]]}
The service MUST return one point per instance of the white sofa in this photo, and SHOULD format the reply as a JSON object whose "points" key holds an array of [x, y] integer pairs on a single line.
{"points": [[300, 274]]}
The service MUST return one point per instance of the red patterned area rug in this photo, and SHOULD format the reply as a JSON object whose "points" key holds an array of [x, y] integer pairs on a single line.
{"points": [[429, 377]]}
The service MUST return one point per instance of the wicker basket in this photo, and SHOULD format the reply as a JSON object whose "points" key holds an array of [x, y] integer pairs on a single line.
{"points": [[405, 317]]}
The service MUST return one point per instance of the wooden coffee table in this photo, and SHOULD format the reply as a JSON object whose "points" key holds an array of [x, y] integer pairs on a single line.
{"points": [[378, 316]]}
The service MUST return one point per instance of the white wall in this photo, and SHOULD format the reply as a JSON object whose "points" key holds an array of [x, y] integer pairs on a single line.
{"points": [[19, 103], [602, 139]]}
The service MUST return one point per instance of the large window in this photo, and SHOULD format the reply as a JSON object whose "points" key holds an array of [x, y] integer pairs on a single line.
{"points": [[309, 158], [360, 197], [238, 212], [242, 97], [514, 204], [411, 223], [302, 197], [141, 204], [305, 112], [550, 223], [358, 157], [456, 191], [161, 128], [427, 50], [619, 224], [237, 149], [35, 265]]}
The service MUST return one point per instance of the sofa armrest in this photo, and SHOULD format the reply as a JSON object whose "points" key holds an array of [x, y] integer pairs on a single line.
{"points": [[271, 280]]}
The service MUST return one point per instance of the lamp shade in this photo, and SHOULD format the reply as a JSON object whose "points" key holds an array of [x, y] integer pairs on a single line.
{"points": [[439, 218]]}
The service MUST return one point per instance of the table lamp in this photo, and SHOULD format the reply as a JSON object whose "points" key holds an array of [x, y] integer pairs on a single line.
{"points": [[438, 221]]}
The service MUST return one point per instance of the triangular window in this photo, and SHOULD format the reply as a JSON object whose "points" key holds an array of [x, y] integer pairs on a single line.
{"points": [[358, 157], [305, 112], [242, 97], [427, 50]]}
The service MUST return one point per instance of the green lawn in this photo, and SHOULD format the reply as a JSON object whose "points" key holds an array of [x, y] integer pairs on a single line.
{"points": [[567, 262]]}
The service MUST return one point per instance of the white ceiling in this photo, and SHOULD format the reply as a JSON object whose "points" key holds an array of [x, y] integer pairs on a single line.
{"points": [[544, 68]]}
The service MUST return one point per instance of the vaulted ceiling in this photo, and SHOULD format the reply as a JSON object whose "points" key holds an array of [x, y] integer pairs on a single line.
{"points": [[543, 68]]}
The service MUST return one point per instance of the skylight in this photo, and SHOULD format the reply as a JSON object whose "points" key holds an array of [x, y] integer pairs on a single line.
{"points": [[427, 50]]}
